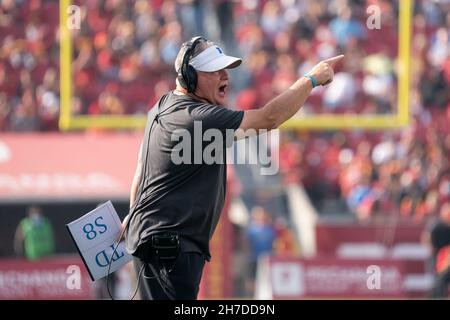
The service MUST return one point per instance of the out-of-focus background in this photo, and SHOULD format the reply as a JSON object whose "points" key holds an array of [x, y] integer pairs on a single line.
{"points": [[351, 213]]}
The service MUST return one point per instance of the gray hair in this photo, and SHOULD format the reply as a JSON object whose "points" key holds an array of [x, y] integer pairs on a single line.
{"points": [[199, 48]]}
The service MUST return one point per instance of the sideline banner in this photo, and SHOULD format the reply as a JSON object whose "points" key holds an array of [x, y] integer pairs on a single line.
{"points": [[51, 278], [293, 278]]}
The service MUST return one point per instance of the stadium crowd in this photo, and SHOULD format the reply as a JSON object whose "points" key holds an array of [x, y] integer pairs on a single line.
{"points": [[123, 61], [403, 174]]}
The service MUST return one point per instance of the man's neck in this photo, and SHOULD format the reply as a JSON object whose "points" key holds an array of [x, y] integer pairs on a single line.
{"points": [[180, 91]]}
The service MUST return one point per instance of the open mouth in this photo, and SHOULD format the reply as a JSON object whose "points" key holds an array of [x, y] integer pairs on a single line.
{"points": [[223, 89]]}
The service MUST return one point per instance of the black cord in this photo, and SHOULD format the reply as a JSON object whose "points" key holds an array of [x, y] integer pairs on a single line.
{"points": [[138, 282], [138, 198], [135, 290], [161, 268], [141, 274], [109, 267]]}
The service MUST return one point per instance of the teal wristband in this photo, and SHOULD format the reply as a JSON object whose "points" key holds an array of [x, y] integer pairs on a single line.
{"points": [[313, 80]]}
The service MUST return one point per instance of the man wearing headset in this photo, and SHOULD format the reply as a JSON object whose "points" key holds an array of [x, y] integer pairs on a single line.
{"points": [[175, 207]]}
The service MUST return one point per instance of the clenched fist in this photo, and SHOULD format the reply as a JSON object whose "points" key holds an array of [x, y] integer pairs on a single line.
{"points": [[323, 71]]}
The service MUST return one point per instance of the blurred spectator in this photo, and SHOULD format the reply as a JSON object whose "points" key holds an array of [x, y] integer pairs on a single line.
{"points": [[131, 47], [345, 27], [439, 49], [261, 235], [27, 57], [285, 243], [191, 15], [34, 236], [224, 10], [341, 91]]}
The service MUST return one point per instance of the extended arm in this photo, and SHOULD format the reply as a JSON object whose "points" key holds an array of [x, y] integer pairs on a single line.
{"points": [[286, 104]]}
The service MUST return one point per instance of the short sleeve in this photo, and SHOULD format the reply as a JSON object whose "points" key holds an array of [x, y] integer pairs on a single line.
{"points": [[216, 117]]}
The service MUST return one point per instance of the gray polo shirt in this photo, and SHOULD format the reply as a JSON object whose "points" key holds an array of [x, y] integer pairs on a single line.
{"points": [[187, 197]]}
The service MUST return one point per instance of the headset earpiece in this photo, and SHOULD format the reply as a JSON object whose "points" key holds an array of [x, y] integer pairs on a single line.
{"points": [[187, 76], [191, 75]]}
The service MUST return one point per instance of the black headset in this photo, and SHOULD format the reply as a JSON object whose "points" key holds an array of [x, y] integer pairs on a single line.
{"points": [[187, 76]]}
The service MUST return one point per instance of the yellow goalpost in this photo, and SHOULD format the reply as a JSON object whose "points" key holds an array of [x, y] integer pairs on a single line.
{"points": [[400, 119]]}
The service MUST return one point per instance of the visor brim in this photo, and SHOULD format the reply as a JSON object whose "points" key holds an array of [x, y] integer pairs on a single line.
{"points": [[222, 62]]}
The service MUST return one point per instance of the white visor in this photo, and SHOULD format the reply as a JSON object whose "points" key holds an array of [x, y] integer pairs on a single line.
{"points": [[213, 59]]}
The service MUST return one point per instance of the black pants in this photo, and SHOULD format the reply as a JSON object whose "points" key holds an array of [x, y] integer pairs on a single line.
{"points": [[172, 279]]}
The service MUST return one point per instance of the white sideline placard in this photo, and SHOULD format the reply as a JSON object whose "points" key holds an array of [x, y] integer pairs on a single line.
{"points": [[95, 234]]}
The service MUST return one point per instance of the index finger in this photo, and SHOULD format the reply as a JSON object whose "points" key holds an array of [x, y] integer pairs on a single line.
{"points": [[334, 60]]}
